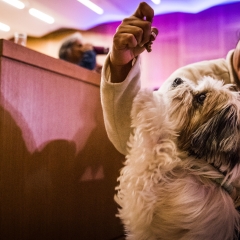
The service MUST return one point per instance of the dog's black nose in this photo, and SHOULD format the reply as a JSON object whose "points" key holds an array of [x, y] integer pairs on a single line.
{"points": [[177, 82]]}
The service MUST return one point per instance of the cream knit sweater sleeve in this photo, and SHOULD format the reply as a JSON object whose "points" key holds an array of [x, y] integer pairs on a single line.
{"points": [[116, 99]]}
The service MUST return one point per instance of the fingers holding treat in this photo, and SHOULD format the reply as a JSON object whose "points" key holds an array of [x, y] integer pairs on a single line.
{"points": [[134, 35], [148, 45]]}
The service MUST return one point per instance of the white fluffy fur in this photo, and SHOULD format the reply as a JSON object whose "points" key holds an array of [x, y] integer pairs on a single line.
{"points": [[163, 192]]}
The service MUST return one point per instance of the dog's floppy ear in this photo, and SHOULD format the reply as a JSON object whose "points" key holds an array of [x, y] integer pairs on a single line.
{"points": [[218, 137]]}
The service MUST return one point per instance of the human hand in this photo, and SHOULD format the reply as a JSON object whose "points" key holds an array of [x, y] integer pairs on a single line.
{"points": [[132, 35]]}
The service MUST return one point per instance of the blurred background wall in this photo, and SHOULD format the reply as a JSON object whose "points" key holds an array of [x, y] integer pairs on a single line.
{"points": [[183, 39]]}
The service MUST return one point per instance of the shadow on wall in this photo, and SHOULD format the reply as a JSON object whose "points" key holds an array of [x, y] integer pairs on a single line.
{"points": [[55, 193]]}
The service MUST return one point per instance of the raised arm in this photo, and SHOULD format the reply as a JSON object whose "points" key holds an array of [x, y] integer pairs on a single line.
{"points": [[120, 78], [132, 37]]}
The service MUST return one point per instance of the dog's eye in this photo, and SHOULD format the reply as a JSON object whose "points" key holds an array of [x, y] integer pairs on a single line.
{"points": [[201, 97], [177, 82]]}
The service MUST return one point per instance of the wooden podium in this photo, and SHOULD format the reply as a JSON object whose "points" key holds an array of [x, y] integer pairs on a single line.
{"points": [[58, 170]]}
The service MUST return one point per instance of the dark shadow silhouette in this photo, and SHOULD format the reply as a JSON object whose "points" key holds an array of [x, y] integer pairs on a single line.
{"points": [[54, 194], [95, 171], [13, 172]]}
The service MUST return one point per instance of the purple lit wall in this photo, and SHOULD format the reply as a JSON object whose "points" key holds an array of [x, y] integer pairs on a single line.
{"points": [[186, 38]]}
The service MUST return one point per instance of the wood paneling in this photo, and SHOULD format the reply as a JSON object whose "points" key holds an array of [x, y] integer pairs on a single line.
{"points": [[58, 169]]}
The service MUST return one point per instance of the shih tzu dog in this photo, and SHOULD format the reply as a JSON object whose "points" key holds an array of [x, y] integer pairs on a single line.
{"points": [[181, 178]]}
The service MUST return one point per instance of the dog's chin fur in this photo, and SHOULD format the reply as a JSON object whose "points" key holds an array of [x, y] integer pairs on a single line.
{"points": [[166, 188]]}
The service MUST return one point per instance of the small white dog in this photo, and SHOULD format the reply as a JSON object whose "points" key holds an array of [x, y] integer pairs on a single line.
{"points": [[182, 174]]}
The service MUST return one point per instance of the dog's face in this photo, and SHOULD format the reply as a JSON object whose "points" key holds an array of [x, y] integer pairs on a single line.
{"points": [[207, 118]]}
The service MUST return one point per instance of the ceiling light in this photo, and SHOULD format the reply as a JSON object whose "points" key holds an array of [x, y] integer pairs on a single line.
{"points": [[15, 3], [92, 6], [4, 27], [40, 15], [156, 1]]}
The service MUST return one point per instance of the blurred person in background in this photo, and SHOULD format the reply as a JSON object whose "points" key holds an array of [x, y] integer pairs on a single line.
{"points": [[83, 54]]}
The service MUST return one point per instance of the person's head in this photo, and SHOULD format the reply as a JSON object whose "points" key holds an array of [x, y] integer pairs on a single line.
{"points": [[70, 48], [236, 59]]}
